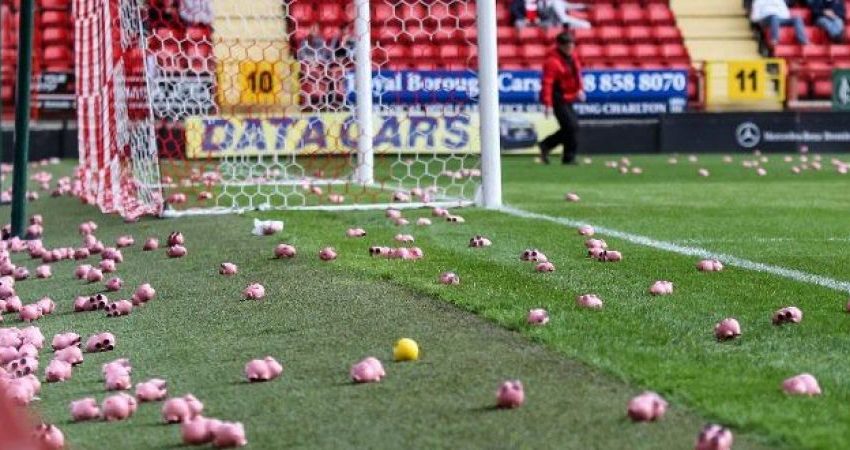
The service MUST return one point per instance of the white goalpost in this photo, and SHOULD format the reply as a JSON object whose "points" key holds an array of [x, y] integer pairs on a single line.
{"points": [[288, 104]]}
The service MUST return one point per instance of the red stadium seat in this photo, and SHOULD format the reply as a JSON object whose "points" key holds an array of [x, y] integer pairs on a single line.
{"points": [[603, 14], [386, 33], [507, 33], [589, 52], [582, 35], [786, 51], [198, 34], [508, 51], [439, 13], [55, 18], [660, 14], [331, 14], [425, 51], [8, 93], [616, 51], [56, 35], [450, 51], [529, 34], [412, 12], [667, 34], [645, 51], [801, 87], [535, 51], [503, 13], [466, 14], [803, 12], [814, 51], [816, 35], [631, 14], [639, 34], [839, 52], [302, 13], [822, 88], [62, 5], [609, 34], [396, 51], [382, 12]]}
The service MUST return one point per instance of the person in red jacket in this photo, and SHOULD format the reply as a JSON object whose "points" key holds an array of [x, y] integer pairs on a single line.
{"points": [[562, 86]]}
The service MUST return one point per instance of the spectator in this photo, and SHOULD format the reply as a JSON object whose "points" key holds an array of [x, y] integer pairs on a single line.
{"points": [[556, 12], [346, 46], [561, 87], [314, 49], [196, 12], [773, 14], [830, 16], [525, 12]]}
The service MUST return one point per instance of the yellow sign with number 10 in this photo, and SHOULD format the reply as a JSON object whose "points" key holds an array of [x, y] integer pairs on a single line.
{"points": [[260, 82], [747, 80]]}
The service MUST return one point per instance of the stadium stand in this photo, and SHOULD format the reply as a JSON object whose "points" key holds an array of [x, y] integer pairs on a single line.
{"points": [[810, 66]]}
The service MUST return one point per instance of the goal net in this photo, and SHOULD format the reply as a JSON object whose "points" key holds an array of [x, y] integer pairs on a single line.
{"points": [[222, 105]]}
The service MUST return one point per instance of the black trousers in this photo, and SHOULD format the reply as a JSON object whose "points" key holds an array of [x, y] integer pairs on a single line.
{"points": [[567, 135]]}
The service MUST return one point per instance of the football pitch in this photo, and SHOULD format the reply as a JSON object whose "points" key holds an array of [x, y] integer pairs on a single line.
{"points": [[783, 237]]}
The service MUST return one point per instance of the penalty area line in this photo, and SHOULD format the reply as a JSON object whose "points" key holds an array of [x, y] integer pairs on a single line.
{"points": [[791, 274]]}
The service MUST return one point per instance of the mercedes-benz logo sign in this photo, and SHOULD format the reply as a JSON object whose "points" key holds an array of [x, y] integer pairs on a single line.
{"points": [[748, 135]]}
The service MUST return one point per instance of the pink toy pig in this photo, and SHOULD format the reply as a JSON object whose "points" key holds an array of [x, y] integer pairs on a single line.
{"points": [[107, 266], [661, 288], [176, 251], [143, 294], [367, 371], [572, 197], [586, 230], [423, 221], [71, 355], [538, 317], [64, 340], [21, 273], [610, 256], [124, 241], [117, 380], [803, 384], [479, 241], [118, 407], [113, 254], [50, 437], [227, 269], [647, 407], [714, 437], [82, 271], [727, 329], [175, 238], [152, 390], [510, 394], [114, 284], [790, 314], [229, 434], [355, 232], [58, 370], [709, 265], [102, 342], [263, 369], [43, 271], [94, 275], [84, 409], [119, 308], [545, 267], [151, 244], [590, 301], [327, 254], [404, 238], [254, 291], [198, 431], [181, 409], [449, 278], [30, 313], [284, 251]]}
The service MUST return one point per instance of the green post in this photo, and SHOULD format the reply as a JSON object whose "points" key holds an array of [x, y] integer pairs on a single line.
{"points": [[22, 119]]}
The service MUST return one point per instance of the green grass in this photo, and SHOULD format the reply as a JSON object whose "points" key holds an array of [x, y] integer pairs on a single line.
{"points": [[579, 371]]}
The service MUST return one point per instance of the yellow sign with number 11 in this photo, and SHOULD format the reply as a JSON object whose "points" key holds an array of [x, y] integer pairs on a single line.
{"points": [[747, 80]]}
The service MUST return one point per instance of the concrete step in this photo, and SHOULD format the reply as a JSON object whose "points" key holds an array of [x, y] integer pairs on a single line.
{"points": [[710, 8], [715, 27], [714, 49]]}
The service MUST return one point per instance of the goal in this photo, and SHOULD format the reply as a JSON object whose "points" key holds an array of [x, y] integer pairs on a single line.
{"points": [[204, 106]]}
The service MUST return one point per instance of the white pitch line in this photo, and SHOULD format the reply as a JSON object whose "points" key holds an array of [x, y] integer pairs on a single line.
{"points": [[731, 260]]}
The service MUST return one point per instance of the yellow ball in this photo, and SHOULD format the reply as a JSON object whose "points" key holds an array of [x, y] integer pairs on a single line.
{"points": [[406, 350]]}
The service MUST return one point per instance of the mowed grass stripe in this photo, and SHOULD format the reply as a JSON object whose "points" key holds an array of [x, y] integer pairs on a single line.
{"points": [[318, 319], [786, 220], [663, 343], [791, 274]]}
